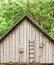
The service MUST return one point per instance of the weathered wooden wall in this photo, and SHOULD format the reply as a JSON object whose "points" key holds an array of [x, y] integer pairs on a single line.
{"points": [[19, 38]]}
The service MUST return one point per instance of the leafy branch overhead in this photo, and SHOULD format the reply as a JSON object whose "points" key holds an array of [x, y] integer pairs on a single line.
{"points": [[41, 11]]}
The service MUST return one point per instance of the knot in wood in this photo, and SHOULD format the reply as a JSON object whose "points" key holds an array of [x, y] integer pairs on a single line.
{"points": [[21, 50]]}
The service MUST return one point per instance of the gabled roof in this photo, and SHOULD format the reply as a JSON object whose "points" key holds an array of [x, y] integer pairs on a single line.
{"points": [[32, 22]]}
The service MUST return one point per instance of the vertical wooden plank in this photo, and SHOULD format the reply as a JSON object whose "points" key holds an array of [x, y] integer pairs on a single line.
{"points": [[17, 44], [44, 49], [21, 41], [50, 51], [37, 46], [33, 32], [34, 46], [2, 50], [8, 47], [41, 49], [30, 32], [25, 40], [27, 33], [47, 50], [13, 46], [30, 38], [5, 50]]}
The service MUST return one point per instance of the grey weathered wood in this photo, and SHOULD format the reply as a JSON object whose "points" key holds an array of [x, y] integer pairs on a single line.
{"points": [[25, 47], [20, 38], [27, 39], [44, 49], [52, 53], [40, 48], [17, 44], [37, 46]]}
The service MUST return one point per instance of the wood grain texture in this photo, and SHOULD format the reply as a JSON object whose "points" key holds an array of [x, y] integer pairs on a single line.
{"points": [[25, 47], [17, 44], [44, 49], [27, 39], [37, 46], [40, 48], [20, 38]]}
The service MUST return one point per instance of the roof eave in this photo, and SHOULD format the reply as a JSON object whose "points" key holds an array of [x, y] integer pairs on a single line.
{"points": [[32, 22]]}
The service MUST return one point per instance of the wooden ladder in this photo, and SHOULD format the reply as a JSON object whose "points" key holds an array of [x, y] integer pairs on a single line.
{"points": [[31, 51]]}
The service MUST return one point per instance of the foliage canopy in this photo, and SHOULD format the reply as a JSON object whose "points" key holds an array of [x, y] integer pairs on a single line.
{"points": [[41, 11]]}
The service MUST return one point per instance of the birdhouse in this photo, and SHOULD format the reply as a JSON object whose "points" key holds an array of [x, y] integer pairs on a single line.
{"points": [[27, 42]]}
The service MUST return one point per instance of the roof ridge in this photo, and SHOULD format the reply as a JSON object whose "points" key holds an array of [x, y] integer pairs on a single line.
{"points": [[26, 16]]}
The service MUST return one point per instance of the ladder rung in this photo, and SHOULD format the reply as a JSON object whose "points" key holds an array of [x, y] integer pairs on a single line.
{"points": [[31, 53], [31, 42], [31, 57], [31, 49]]}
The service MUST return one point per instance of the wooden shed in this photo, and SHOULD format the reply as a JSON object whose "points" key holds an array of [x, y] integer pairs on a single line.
{"points": [[26, 42]]}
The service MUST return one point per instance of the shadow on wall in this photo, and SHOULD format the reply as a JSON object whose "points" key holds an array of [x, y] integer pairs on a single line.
{"points": [[26, 64]]}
